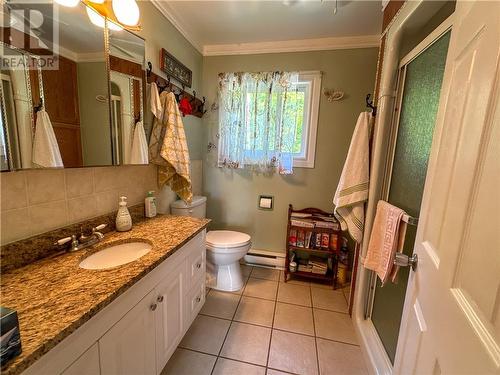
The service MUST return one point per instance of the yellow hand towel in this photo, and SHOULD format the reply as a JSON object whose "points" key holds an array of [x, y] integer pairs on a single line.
{"points": [[168, 149]]}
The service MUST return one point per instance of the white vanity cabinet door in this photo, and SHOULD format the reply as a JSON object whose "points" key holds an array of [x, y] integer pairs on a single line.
{"points": [[169, 315], [129, 346], [86, 364]]}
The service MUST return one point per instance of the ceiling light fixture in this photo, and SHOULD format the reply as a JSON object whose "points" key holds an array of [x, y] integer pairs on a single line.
{"points": [[98, 20], [121, 14]]}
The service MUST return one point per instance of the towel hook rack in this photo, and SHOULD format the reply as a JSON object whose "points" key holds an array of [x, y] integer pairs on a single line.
{"points": [[369, 104], [39, 106]]}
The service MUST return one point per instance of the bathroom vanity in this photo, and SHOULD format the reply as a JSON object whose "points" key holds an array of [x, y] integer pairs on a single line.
{"points": [[127, 319]]}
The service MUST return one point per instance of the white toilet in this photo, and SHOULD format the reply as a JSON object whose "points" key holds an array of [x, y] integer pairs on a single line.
{"points": [[225, 248]]}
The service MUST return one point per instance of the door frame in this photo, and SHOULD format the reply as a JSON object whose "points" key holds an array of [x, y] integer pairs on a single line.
{"points": [[382, 156]]}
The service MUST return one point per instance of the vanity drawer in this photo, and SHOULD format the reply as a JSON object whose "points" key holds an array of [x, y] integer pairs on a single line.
{"points": [[195, 301], [196, 266]]}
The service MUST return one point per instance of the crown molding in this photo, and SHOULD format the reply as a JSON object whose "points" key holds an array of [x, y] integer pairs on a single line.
{"points": [[299, 45], [167, 10]]}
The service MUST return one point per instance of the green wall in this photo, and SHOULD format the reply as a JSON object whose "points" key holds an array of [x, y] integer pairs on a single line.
{"points": [[160, 33], [233, 194]]}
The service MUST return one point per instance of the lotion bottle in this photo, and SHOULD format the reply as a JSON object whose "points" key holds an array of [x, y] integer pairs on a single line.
{"points": [[123, 219], [150, 204]]}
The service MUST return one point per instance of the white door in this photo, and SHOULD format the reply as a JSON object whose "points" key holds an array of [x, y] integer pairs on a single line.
{"points": [[128, 348], [451, 318], [169, 317]]}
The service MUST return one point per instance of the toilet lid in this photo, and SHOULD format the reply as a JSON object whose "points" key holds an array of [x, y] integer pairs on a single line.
{"points": [[227, 238]]}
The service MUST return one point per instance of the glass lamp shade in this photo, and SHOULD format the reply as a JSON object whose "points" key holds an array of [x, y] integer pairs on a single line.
{"points": [[68, 3], [98, 20], [126, 12]]}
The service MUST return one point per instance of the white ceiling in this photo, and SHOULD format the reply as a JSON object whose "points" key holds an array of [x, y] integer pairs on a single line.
{"points": [[217, 25]]}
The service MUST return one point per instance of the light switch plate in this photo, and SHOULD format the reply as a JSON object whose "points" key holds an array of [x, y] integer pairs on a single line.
{"points": [[266, 202]]}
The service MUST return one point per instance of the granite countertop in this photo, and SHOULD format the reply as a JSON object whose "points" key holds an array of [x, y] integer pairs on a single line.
{"points": [[54, 296]]}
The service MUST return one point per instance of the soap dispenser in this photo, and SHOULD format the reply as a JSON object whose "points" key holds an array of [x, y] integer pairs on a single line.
{"points": [[123, 219], [150, 204]]}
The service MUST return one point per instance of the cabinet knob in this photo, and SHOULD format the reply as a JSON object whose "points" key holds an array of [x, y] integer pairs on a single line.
{"points": [[153, 307], [159, 299], [198, 265]]}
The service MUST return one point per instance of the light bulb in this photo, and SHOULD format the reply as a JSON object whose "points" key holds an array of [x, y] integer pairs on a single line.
{"points": [[126, 12], [98, 20], [68, 3]]}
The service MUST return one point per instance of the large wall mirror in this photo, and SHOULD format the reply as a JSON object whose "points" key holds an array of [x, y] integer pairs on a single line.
{"points": [[93, 97]]}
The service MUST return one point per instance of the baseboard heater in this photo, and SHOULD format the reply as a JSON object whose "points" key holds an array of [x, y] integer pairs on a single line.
{"points": [[263, 258]]}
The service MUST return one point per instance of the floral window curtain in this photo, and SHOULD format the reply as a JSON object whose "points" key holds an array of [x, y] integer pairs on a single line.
{"points": [[258, 120]]}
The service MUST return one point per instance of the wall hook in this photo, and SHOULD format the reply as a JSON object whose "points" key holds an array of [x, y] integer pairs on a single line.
{"points": [[369, 104]]}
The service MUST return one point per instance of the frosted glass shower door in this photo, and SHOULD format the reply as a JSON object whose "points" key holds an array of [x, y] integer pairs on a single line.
{"points": [[420, 85]]}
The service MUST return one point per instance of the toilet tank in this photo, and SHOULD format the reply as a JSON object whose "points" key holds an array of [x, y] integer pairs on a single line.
{"points": [[197, 207]]}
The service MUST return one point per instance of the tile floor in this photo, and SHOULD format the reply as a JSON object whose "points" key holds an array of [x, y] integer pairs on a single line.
{"points": [[270, 328]]}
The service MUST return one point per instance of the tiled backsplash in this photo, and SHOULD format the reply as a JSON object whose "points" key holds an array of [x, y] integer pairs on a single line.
{"points": [[37, 201]]}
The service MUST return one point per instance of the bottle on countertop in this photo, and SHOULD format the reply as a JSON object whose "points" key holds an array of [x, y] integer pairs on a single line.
{"points": [[123, 219], [150, 204]]}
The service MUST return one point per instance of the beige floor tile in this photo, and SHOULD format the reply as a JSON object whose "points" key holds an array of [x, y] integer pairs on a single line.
{"points": [[270, 371], [292, 280], [297, 294], [315, 284], [292, 318], [266, 273], [206, 334], [247, 343], [240, 292], [230, 367], [220, 304], [293, 353], [333, 300], [334, 326], [187, 362], [246, 270], [339, 359], [261, 288], [256, 311]]}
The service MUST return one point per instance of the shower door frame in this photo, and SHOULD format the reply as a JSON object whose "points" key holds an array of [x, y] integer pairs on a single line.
{"points": [[428, 41], [384, 144]]}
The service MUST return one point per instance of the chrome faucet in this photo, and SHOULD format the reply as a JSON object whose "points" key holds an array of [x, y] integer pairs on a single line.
{"points": [[82, 242]]}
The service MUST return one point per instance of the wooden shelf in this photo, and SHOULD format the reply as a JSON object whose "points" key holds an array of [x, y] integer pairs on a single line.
{"points": [[327, 277], [319, 251], [316, 214], [315, 229]]}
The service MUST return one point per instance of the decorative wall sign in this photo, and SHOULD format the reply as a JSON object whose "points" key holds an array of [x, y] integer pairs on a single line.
{"points": [[175, 69]]}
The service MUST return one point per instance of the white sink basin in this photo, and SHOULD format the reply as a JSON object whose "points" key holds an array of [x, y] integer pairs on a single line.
{"points": [[115, 255]]}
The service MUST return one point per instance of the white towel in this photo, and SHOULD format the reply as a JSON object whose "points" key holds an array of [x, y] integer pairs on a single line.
{"points": [[154, 98], [139, 151], [46, 152], [352, 191]]}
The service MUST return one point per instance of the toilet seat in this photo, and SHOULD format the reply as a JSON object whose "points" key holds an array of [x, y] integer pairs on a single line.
{"points": [[226, 240]]}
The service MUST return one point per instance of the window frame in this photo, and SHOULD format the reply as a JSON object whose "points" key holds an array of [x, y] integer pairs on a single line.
{"points": [[308, 156]]}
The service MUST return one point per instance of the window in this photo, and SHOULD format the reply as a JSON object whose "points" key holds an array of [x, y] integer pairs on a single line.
{"points": [[268, 120], [305, 147]]}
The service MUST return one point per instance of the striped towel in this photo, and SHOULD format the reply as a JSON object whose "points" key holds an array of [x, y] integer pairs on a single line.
{"points": [[352, 191], [168, 149]]}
